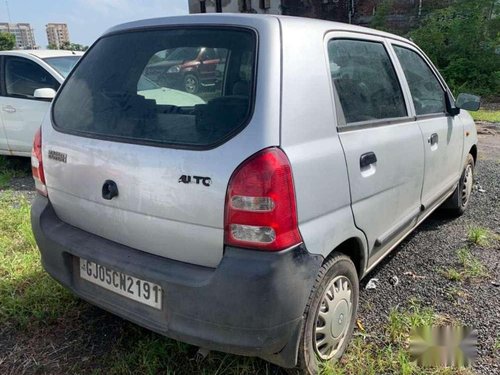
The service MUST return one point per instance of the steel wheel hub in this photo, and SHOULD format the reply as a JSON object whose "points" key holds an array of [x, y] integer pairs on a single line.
{"points": [[190, 84], [467, 185], [334, 318]]}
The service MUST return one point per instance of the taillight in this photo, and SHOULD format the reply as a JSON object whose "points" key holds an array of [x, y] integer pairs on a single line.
{"points": [[37, 164], [261, 212]]}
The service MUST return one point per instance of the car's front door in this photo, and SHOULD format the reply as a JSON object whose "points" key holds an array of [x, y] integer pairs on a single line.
{"points": [[442, 134], [381, 140], [22, 113]]}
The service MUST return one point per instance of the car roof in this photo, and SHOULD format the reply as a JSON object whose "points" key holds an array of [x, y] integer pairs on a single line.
{"points": [[237, 18], [42, 53]]}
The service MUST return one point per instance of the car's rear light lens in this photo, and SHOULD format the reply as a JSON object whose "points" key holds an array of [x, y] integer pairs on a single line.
{"points": [[37, 164], [261, 212]]}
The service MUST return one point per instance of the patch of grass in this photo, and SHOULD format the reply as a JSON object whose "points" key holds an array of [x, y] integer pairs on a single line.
{"points": [[452, 274], [388, 354], [370, 358], [27, 294], [11, 167], [479, 236], [486, 115], [142, 352], [402, 321], [473, 268]]}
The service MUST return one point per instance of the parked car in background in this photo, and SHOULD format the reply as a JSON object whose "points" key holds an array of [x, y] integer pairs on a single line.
{"points": [[243, 223], [187, 68], [29, 80]]}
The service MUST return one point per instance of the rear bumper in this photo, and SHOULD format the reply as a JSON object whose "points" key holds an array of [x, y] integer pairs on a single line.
{"points": [[251, 304]]}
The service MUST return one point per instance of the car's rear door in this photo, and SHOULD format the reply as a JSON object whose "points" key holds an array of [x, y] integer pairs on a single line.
{"points": [[443, 135], [382, 142]]}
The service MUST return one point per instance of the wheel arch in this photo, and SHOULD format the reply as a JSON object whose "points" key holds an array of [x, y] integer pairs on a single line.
{"points": [[473, 152], [353, 248]]}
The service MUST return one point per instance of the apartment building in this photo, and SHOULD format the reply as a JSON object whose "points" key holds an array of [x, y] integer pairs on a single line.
{"points": [[57, 34], [25, 38]]}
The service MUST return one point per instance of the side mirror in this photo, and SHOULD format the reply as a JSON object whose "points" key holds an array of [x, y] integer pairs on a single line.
{"points": [[468, 102], [44, 93]]}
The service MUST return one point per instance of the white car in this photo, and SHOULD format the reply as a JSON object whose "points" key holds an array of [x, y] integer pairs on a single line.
{"points": [[29, 80]]}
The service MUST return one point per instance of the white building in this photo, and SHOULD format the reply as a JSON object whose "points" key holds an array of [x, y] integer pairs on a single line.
{"points": [[25, 38]]}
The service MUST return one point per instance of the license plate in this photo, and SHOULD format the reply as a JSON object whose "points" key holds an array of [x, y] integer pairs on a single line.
{"points": [[125, 285]]}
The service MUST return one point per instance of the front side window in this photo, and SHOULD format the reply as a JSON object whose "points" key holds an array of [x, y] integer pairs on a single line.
{"points": [[426, 91], [365, 81], [23, 77], [153, 86]]}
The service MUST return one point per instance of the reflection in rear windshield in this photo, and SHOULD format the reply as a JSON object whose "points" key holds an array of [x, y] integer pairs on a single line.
{"points": [[157, 93]]}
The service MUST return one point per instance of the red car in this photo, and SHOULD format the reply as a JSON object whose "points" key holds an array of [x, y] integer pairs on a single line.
{"points": [[188, 68]]}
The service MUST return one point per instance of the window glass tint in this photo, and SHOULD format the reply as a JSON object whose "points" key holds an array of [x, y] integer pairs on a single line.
{"points": [[156, 87], [23, 77], [365, 81], [427, 93], [62, 64]]}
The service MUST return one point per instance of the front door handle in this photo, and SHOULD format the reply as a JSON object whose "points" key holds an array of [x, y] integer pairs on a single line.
{"points": [[8, 109], [367, 159], [433, 139]]}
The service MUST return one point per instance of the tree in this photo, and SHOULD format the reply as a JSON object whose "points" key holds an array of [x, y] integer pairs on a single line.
{"points": [[379, 20], [463, 40], [7, 41], [73, 46]]}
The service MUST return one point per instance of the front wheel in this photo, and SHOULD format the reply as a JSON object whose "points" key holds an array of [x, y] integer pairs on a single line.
{"points": [[330, 315], [191, 83], [459, 201]]}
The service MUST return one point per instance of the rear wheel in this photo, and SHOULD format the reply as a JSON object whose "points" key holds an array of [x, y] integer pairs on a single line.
{"points": [[459, 201], [330, 315]]}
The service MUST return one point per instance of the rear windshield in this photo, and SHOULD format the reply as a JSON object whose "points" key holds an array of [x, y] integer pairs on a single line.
{"points": [[188, 87]]}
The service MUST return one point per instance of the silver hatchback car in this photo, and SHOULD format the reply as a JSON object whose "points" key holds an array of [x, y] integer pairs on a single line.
{"points": [[242, 217]]}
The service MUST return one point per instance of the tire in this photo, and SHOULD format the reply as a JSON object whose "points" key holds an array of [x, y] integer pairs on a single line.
{"points": [[191, 84], [459, 200], [324, 322]]}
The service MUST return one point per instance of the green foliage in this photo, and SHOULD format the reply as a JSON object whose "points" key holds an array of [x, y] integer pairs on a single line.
{"points": [[485, 115], [463, 40], [74, 47], [68, 46], [479, 236], [379, 20], [472, 267], [7, 41]]}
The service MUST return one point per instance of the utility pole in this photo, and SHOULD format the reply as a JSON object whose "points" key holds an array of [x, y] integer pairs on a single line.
{"points": [[419, 8], [8, 10], [218, 6]]}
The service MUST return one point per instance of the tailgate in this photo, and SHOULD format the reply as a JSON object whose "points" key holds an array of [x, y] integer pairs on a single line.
{"points": [[170, 152]]}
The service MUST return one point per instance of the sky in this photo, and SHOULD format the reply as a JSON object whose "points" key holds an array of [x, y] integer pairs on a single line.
{"points": [[86, 19]]}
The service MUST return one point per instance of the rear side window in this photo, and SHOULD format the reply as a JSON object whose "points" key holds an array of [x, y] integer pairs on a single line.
{"points": [[427, 93], [365, 81], [177, 87]]}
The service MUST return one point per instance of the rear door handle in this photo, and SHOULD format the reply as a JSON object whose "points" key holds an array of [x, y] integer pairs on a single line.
{"points": [[433, 139], [8, 109], [367, 159]]}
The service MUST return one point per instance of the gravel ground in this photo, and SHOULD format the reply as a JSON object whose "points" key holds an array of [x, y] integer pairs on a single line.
{"points": [[416, 262], [431, 248]]}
